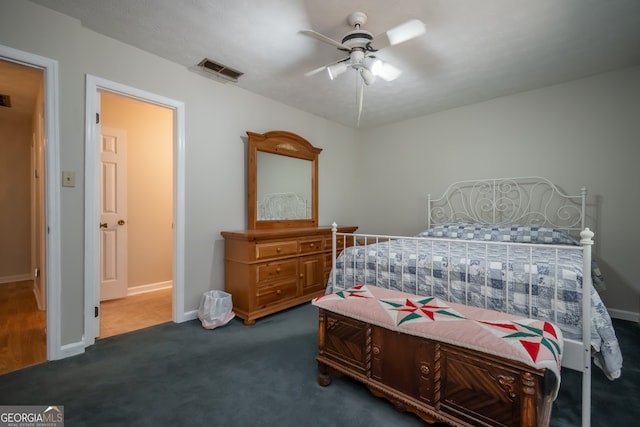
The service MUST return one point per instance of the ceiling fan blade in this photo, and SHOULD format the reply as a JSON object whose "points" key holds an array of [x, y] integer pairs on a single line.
{"points": [[317, 70], [324, 39], [399, 34]]}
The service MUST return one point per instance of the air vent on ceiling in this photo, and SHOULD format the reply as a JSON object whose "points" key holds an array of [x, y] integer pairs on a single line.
{"points": [[5, 101], [219, 70]]}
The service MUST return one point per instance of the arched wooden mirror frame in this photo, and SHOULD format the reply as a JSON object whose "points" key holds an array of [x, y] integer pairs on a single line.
{"points": [[285, 144]]}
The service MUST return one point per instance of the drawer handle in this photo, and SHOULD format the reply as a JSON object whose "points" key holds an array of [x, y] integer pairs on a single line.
{"points": [[278, 270], [278, 250], [302, 276], [278, 292], [312, 245]]}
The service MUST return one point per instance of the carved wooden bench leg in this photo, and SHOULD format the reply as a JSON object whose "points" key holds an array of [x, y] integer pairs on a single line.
{"points": [[324, 379]]}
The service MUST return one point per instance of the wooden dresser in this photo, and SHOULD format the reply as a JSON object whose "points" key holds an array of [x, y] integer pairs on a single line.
{"points": [[270, 270]]}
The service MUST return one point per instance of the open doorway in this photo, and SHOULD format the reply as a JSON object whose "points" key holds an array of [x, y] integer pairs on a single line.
{"points": [[95, 88], [136, 218], [22, 219]]}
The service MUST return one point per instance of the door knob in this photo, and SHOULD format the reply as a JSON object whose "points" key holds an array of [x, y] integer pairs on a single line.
{"points": [[121, 222], [103, 225]]}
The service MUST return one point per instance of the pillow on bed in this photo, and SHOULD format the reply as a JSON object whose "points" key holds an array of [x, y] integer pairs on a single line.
{"points": [[521, 233]]}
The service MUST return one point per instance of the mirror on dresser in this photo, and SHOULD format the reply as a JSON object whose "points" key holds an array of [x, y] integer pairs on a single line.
{"points": [[283, 181], [283, 258]]}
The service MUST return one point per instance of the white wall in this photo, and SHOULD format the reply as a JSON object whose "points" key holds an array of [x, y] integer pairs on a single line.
{"points": [[15, 197], [217, 118], [581, 133]]}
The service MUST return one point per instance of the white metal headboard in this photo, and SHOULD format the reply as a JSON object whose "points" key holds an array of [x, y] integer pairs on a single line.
{"points": [[519, 200]]}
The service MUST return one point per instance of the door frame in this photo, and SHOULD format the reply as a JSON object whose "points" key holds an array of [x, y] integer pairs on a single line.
{"points": [[92, 197], [52, 192]]}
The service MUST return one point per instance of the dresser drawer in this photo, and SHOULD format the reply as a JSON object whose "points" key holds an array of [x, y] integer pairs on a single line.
{"points": [[309, 246], [340, 243], [271, 269], [276, 249], [276, 292], [277, 270]]}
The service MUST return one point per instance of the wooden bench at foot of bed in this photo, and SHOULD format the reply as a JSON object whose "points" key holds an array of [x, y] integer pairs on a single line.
{"points": [[436, 380]]}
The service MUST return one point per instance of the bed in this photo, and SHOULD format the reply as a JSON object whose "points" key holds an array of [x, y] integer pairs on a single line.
{"points": [[513, 245]]}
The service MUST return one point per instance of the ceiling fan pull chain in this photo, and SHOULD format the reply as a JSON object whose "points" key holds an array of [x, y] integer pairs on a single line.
{"points": [[360, 95]]}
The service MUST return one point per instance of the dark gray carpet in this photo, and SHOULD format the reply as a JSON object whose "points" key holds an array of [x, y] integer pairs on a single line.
{"points": [[184, 375]]}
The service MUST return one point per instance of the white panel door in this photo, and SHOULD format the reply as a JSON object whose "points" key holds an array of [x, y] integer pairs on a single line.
{"points": [[113, 213]]}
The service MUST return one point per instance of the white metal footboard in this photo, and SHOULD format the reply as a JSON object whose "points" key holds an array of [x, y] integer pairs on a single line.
{"points": [[577, 351]]}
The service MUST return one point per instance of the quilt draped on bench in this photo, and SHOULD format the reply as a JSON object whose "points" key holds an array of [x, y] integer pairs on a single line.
{"points": [[535, 343]]}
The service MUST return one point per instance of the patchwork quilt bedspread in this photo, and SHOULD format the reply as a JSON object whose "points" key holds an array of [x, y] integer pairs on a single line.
{"points": [[513, 279], [532, 342]]}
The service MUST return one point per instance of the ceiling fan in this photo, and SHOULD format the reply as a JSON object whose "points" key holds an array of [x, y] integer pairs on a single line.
{"points": [[361, 46]]}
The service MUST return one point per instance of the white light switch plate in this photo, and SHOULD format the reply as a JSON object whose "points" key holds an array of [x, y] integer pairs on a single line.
{"points": [[68, 179]]}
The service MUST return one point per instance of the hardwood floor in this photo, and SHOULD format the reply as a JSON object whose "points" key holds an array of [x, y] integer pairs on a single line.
{"points": [[135, 312], [23, 326]]}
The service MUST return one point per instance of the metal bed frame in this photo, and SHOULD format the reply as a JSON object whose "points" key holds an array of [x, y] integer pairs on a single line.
{"points": [[523, 200]]}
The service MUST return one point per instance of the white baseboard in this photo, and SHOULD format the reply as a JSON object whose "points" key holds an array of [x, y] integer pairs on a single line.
{"points": [[72, 349], [141, 289], [16, 278], [624, 315], [190, 315], [39, 302]]}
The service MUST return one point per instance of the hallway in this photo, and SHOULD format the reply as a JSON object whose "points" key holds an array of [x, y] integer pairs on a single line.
{"points": [[23, 339], [23, 326]]}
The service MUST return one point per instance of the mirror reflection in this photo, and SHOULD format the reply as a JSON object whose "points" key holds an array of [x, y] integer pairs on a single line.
{"points": [[284, 187]]}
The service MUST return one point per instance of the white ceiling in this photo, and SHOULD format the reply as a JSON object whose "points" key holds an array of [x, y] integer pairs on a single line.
{"points": [[472, 50]]}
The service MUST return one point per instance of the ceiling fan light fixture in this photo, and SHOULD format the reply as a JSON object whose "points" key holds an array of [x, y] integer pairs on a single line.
{"points": [[367, 76], [356, 56], [336, 69], [373, 64], [361, 46], [388, 72]]}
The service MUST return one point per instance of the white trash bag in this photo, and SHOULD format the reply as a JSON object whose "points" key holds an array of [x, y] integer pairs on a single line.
{"points": [[216, 309]]}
